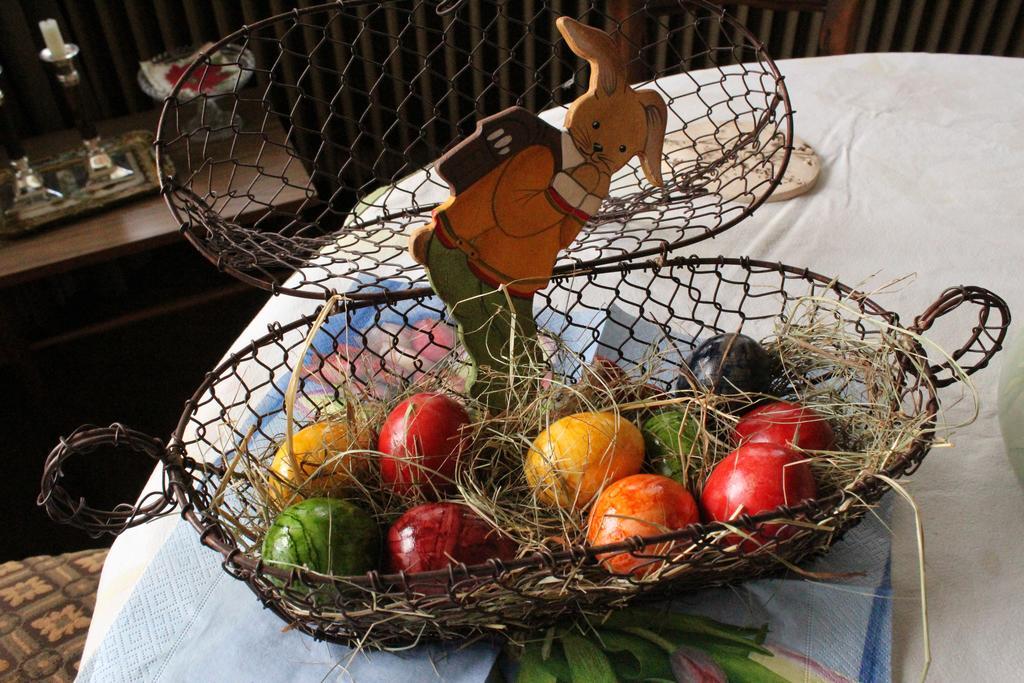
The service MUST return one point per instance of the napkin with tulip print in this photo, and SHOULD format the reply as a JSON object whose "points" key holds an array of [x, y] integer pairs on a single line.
{"points": [[789, 630]]}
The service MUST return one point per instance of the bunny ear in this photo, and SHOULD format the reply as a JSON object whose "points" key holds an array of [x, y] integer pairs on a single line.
{"points": [[597, 47], [657, 115]]}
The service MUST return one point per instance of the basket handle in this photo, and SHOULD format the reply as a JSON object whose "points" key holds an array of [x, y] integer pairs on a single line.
{"points": [[63, 508], [986, 337]]}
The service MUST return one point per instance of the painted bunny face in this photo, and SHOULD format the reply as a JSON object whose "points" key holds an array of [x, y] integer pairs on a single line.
{"points": [[611, 123], [604, 129]]}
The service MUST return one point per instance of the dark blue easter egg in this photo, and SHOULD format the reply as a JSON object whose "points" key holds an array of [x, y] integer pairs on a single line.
{"points": [[729, 364]]}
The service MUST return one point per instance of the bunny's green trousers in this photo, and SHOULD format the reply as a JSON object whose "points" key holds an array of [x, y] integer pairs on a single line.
{"points": [[496, 329]]}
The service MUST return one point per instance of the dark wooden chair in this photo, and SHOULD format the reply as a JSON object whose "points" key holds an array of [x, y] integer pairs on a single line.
{"points": [[838, 35], [46, 606]]}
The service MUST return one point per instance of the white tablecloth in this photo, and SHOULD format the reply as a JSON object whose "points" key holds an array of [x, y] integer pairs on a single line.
{"points": [[922, 158]]}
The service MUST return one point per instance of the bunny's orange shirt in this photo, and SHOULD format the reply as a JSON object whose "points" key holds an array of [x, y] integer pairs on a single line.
{"points": [[513, 221]]}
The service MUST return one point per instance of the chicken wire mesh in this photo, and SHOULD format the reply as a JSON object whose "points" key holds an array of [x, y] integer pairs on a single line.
{"points": [[370, 94]]}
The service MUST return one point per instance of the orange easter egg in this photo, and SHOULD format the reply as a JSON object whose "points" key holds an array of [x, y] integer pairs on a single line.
{"points": [[640, 505]]}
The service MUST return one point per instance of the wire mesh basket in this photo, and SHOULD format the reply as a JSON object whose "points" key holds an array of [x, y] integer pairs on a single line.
{"points": [[370, 94], [702, 296]]}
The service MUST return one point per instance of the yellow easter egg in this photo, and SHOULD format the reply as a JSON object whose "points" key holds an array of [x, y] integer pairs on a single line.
{"points": [[576, 456], [316, 467]]}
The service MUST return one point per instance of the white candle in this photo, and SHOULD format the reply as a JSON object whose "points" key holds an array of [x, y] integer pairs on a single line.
{"points": [[53, 39]]}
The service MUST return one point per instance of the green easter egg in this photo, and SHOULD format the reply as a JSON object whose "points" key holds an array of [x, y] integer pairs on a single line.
{"points": [[325, 535], [666, 437]]}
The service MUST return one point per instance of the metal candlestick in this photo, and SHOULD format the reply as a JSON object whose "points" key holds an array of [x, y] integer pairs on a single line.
{"points": [[102, 169], [97, 174], [28, 184]]}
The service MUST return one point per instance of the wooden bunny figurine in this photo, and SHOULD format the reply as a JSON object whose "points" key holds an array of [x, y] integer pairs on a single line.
{"points": [[521, 191]]}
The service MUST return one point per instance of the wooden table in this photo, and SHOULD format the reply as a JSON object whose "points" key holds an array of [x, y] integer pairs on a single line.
{"points": [[141, 225], [145, 223]]}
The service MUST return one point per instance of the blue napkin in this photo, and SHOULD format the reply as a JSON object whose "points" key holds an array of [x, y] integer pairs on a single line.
{"points": [[835, 631], [188, 620]]}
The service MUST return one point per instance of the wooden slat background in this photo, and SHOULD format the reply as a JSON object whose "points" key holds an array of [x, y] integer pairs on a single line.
{"points": [[115, 35], [395, 114]]}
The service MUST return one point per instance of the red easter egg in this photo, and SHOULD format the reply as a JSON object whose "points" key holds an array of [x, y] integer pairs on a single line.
{"points": [[639, 505], [435, 535], [786, 424], [756, 478], [422, 439]]}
